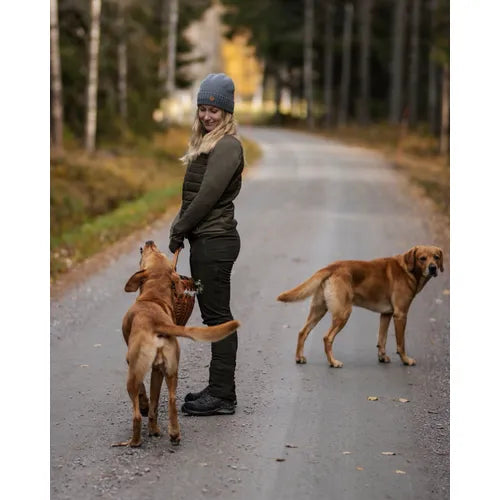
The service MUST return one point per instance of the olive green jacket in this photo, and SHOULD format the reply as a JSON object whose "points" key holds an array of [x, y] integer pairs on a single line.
{"points": [[211, 183]]}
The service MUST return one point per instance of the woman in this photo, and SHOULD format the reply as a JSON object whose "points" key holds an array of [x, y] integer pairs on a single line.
{"points": [[212, 181]]}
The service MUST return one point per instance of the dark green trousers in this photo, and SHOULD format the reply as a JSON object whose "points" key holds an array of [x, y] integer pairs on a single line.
{"points": [[211, 261]]}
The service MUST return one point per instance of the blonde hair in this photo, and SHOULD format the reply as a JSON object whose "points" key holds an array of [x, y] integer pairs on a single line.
{"points": [[204, 143]]}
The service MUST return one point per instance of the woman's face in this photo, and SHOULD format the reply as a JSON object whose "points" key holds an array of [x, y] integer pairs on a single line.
{"points": [[210, 116]]}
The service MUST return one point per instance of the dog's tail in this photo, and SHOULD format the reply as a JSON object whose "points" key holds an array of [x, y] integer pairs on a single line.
{"points": [[307, 288], [201, 333]]}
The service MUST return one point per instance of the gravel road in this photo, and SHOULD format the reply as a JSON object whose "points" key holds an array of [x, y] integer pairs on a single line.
{"points": [[300, 431]]}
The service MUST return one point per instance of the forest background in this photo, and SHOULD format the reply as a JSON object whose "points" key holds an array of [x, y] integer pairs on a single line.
{"points": [[27, 149], [124, 75]]}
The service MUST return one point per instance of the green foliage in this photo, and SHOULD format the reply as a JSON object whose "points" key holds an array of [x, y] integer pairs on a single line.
{"points": [[276, 28], [145, 50]]}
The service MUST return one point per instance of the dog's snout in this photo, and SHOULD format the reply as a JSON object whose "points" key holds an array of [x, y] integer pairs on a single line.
{"points": [[433, 269]]}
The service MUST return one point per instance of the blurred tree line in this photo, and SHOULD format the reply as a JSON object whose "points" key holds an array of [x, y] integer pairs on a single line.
{"points": [[117, 56], [355, 61], [352, 61]]}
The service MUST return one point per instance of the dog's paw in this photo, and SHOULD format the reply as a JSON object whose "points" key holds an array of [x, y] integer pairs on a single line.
{"points": [[144, 410], [301, 360], [409, 362], [154, 431], [336, 364], [383, 358], [175, 439]]}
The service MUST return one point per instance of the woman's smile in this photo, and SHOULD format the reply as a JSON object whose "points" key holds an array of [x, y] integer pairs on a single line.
{"points": [[210, 116]]}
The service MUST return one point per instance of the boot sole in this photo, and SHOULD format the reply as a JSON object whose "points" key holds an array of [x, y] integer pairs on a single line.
{"points": [[219, 411], [191, 400]]}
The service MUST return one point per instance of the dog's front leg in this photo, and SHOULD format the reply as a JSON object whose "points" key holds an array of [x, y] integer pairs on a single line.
{"points": [[385, 320], [400, 326]]}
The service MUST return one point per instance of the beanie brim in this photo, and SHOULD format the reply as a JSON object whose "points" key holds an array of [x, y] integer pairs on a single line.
{"points": [[217, 100]]}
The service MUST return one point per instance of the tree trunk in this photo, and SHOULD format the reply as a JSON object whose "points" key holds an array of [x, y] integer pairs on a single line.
{"points": [[122, 62], [308, 59], [173, 21], [364, 62], [397, 61], [432, 93], [444, 143], [56, 82], [414, 63], [345, 78], [328, 63], [93, 75]]}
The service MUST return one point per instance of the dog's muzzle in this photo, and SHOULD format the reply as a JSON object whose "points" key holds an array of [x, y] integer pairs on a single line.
{"points": [[433, 270]]}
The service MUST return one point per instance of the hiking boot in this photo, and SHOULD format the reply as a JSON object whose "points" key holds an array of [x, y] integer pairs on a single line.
{"points": [[193, 396], [208, 405]]}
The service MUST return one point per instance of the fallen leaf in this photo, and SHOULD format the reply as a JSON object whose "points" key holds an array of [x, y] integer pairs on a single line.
{"points": [[432, 320], [403, 400], [446, 292], [291, 446], [97, 345], [84, 366], [388, 453], [360, 468], [372, 398], [346, 452], [400, 471], [280, 459]]}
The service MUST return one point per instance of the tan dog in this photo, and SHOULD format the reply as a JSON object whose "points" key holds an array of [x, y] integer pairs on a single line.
{"points": [[386, 286], [150, 333]]}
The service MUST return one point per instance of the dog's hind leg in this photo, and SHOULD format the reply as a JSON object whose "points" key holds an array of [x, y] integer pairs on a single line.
{"points": [[156, 380], [338, 298], [316, 312], [337, 324], [140, 358], [385, 319], [172, 363], [143, 400]]}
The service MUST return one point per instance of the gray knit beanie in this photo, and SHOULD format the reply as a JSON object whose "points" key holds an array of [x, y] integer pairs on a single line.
{"points": [[217, 90]]}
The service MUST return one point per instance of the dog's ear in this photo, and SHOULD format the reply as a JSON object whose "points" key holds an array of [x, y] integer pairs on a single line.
{"points": [[440, 253], [409, 258], [136, 280]]}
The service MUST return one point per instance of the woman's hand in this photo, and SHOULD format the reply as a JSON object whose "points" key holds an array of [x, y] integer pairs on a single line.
{"points": [[175, 243]]}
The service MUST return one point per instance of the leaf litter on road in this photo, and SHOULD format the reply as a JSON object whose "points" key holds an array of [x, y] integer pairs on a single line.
{"points": [[372, 398], [388, 453]]}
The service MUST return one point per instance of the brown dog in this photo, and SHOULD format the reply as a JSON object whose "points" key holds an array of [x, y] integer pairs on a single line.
{"points": [[150, 333], [386, 286]]}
